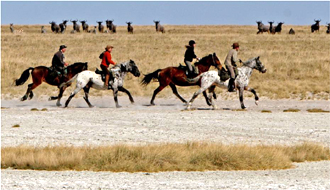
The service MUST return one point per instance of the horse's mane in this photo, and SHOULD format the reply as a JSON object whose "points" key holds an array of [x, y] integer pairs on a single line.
{"points": [[120, 64], [77, 63], [249, 61], [201, 61]]}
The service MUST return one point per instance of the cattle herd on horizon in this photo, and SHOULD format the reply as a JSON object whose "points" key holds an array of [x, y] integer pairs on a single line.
{"points": [[111, 28]]}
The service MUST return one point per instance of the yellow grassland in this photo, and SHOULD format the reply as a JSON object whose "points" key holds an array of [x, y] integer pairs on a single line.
{"points": [[297, 65]]}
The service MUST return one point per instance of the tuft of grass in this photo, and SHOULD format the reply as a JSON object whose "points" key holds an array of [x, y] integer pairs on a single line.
{"points": [[15, 126], [317, 110], [190, 156], [34, 109], [291, 110], [239, 109], [266, 111], [44, 109]]}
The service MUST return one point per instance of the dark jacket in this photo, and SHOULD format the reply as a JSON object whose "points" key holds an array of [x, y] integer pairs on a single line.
{"points": [[190, 54], [58, 60]]}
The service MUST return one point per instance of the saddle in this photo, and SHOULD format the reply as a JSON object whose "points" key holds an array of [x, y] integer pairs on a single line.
{"points": [[225, 74], [186, 70], [97, 71], [54, 73]]}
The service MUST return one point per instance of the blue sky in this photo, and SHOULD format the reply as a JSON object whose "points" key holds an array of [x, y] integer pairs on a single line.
{"points": [[168, 12]]}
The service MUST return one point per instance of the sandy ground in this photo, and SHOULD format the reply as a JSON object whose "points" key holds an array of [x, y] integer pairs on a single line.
{"points": [[166, 122]]}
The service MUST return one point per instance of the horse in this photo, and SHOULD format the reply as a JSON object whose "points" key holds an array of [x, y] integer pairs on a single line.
{"points": [[178, 76], [45, 74], [209, 79], [88, 79]]}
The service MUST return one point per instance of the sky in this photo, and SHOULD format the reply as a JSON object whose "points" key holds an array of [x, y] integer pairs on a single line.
{"points": [[167, 12]]}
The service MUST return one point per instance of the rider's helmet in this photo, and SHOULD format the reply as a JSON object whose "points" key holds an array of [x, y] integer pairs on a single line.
{"points": [[192, 42]]}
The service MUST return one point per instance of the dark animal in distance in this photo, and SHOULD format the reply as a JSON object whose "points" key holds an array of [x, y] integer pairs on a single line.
{"points": [[54, 27], [76, 26], [271, 28], [101, 27], [159, 28], [278, 28], [84, 25], [43, 30], [63, 26], [262, 28], [129, 27], [111, 26], [12, 28], [328, 28], [292, 31], [316, 26]]}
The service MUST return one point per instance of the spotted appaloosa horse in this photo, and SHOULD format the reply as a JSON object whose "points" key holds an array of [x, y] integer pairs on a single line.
{"points": [[211, 78], [88, 79]]}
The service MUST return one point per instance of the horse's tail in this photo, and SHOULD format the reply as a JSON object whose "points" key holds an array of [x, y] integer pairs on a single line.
{"points": [[67, 83], [194, 80], [148, 77], [25, 75]]}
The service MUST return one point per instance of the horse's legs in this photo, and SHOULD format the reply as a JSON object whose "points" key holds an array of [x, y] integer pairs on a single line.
{"points": [[72, 95], [115, 96], [29, 90], [58, 103], [256, 98], [212, 94], [209, 98], [160, 88], [122, 89], [241, 91], [175, 91], [86, 90], [195, 96]]}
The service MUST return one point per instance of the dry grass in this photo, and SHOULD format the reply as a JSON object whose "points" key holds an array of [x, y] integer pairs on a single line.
{"points": [[318, 110], [298, 65], [191, 156], [291, 110]]}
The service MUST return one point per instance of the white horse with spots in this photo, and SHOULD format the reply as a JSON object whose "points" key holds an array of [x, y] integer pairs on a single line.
{"points": [[88, 79], [211, 79]]}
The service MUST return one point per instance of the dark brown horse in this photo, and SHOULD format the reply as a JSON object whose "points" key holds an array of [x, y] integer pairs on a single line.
{"points": [[44, 74], [177, 76]]}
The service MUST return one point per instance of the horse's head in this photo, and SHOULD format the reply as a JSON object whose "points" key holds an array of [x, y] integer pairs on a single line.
{"points": [[78, 67], [255, 63], [132, 68], [206, 62]]}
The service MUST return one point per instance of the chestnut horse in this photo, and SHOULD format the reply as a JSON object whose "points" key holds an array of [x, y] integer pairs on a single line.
{"points": [[44, 74], [177, 76]]}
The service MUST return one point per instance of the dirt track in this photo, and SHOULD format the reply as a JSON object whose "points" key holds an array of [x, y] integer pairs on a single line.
{"points": [[166, 122]]}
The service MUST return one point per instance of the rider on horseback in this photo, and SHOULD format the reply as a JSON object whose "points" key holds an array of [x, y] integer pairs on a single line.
{"points": [[106, 61], [230, 63], [189, 56], [58, 63]]}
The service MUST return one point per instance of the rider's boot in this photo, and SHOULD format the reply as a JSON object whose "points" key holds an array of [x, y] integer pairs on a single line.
{"points": [[231, 85], [106, 81]]}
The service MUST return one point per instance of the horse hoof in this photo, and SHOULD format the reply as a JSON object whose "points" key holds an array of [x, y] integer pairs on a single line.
{"points": [[59, 105], [118, 106], [152, 104], [23, 98], [257, 102]]}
